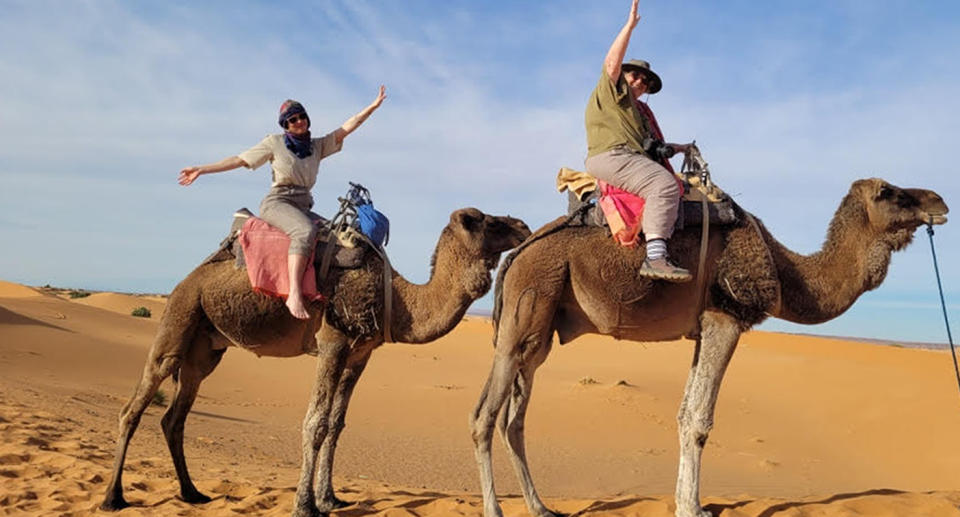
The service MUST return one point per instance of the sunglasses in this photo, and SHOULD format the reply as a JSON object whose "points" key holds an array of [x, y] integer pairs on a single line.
{"points": [[296, 118]]}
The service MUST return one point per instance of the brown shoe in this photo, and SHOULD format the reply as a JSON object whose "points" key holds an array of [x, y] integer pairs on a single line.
{"points": [[663, 269]]}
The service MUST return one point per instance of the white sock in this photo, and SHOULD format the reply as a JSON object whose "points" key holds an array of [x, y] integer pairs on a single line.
{"points": [[656, 249]]}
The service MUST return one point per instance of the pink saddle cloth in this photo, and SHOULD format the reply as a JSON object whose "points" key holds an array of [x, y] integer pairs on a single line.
{"points": [[265, 252], [623, 211]]}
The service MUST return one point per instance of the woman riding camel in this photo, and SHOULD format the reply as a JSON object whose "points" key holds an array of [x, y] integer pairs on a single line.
{"points": [[625, 148], [295, 159]]}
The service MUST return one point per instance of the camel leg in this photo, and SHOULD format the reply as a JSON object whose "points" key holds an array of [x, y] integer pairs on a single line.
{"points": [[356, 362], [197, 365], [157, 369], [719, 335], [177, 327], [504, 370], [333, 349], [521, 329], [511, 426]]}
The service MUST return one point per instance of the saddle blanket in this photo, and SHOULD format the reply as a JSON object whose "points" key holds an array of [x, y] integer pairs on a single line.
{"points": [[265, 251], [623, 210]]}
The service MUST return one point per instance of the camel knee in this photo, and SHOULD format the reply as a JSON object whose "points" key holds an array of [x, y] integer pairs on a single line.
{"points": [[481, 428], [693, 429], [128, 421]]}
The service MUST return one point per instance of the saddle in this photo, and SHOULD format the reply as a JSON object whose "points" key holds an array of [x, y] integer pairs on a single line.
{"points": [[583, 194], [344, 251], [341, 244]]}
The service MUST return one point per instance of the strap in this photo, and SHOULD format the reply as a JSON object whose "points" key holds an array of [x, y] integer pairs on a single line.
{"points": [[327, 257], [702, 265]]}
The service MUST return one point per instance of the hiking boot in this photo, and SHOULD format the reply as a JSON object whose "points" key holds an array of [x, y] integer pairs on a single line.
{"points": [[663, 269]]}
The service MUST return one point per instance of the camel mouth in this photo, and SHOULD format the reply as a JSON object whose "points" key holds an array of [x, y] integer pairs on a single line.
{"points": [[936, 219]]}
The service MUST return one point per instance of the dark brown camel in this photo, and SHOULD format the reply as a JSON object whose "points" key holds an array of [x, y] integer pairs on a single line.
{"points": [[214, 308], [575, 280]]}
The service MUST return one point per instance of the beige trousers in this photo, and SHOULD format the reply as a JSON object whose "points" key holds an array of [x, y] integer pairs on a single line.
{"points": [[631, 171], [288, 208]]}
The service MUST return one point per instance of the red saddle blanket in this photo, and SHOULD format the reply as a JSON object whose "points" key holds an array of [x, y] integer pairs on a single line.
{"points": [[265, 252], [623, 211]]}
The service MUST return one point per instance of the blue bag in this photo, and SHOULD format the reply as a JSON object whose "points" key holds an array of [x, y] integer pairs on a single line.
{"points": [[370, 221]]}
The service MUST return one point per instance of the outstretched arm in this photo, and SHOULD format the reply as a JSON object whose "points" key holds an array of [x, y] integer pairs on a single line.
{"points": [[354, 122], [619, 47], [189, 174]]}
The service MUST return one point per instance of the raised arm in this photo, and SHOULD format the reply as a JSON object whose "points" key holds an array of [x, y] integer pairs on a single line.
{"points": [[189, 174], [619, 47], [354, 122]]}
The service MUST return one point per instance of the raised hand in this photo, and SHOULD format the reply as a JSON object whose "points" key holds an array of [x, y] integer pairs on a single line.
{"points": [[188, 175], [634, 17], [380, 97]]}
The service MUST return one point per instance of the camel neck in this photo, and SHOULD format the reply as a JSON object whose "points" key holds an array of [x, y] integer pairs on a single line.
{"points": [[821, 286], [424, 312]]}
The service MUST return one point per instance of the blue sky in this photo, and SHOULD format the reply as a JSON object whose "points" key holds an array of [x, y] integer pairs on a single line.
{"points": [[102, 103]]}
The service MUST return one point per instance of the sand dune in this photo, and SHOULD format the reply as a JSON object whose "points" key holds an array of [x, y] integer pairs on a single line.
{"points": [[805, 426], [123, 303], [12, 290]]}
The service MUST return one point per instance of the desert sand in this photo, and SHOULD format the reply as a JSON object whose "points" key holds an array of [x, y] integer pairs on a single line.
{"points": [[805, 426]]}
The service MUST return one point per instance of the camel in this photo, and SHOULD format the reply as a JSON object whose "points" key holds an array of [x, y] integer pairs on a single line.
{"points": [[214, 308], [573, 280]]}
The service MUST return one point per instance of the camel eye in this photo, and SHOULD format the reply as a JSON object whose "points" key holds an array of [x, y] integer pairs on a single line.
{"points": [[885, 192]]}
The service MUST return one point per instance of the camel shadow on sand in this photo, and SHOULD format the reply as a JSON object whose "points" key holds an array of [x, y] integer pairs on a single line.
{"points": [[717, 509]]}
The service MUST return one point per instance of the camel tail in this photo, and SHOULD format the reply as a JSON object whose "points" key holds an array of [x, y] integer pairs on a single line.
{"points": [[547, 229]]}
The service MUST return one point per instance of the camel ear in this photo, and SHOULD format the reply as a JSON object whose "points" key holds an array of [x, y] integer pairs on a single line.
{"points": [[469, 218]]}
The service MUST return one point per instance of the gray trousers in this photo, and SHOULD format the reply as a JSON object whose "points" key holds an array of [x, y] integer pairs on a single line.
{"points": [[288, 208], [631, 171]]}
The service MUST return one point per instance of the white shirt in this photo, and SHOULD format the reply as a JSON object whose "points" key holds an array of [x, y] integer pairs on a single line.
{"points": [[287, 168]]}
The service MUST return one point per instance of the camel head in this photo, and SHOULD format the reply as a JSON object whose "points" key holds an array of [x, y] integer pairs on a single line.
{"points": [[485, 235], [477, 240], [894, 213]]}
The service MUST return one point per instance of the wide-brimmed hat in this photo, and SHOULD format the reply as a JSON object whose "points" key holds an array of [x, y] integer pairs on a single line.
{"points": [[653, 80]]}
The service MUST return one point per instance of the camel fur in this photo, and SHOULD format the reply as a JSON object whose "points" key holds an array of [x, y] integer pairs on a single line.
{"points": [[569, 281], [214, 308]]}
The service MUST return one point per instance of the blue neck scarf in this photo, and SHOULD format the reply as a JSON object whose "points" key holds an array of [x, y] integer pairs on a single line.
{"points": [[301, 146]]}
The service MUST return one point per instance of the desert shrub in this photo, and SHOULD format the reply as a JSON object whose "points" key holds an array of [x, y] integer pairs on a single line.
{"points": [[79, 294], [159, 398], [141, 312]]}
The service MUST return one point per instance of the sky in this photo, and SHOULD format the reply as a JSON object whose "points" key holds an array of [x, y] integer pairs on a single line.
{"points": [[103, 102]]}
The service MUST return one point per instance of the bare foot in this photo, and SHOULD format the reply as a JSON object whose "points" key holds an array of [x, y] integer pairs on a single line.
{"points": [[297, 309]]}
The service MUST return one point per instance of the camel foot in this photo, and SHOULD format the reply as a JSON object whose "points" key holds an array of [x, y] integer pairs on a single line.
{"points": [[195, 497], [308, 511], [114, 503], [492, 512], [699, 512], [332, 503]]}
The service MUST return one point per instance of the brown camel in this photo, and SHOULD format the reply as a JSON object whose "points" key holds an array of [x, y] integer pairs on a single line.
{"points": [[214, 308], [575, 280]]}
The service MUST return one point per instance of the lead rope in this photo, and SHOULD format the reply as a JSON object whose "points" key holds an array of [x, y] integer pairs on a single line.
{"points": [[943, 304]]}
